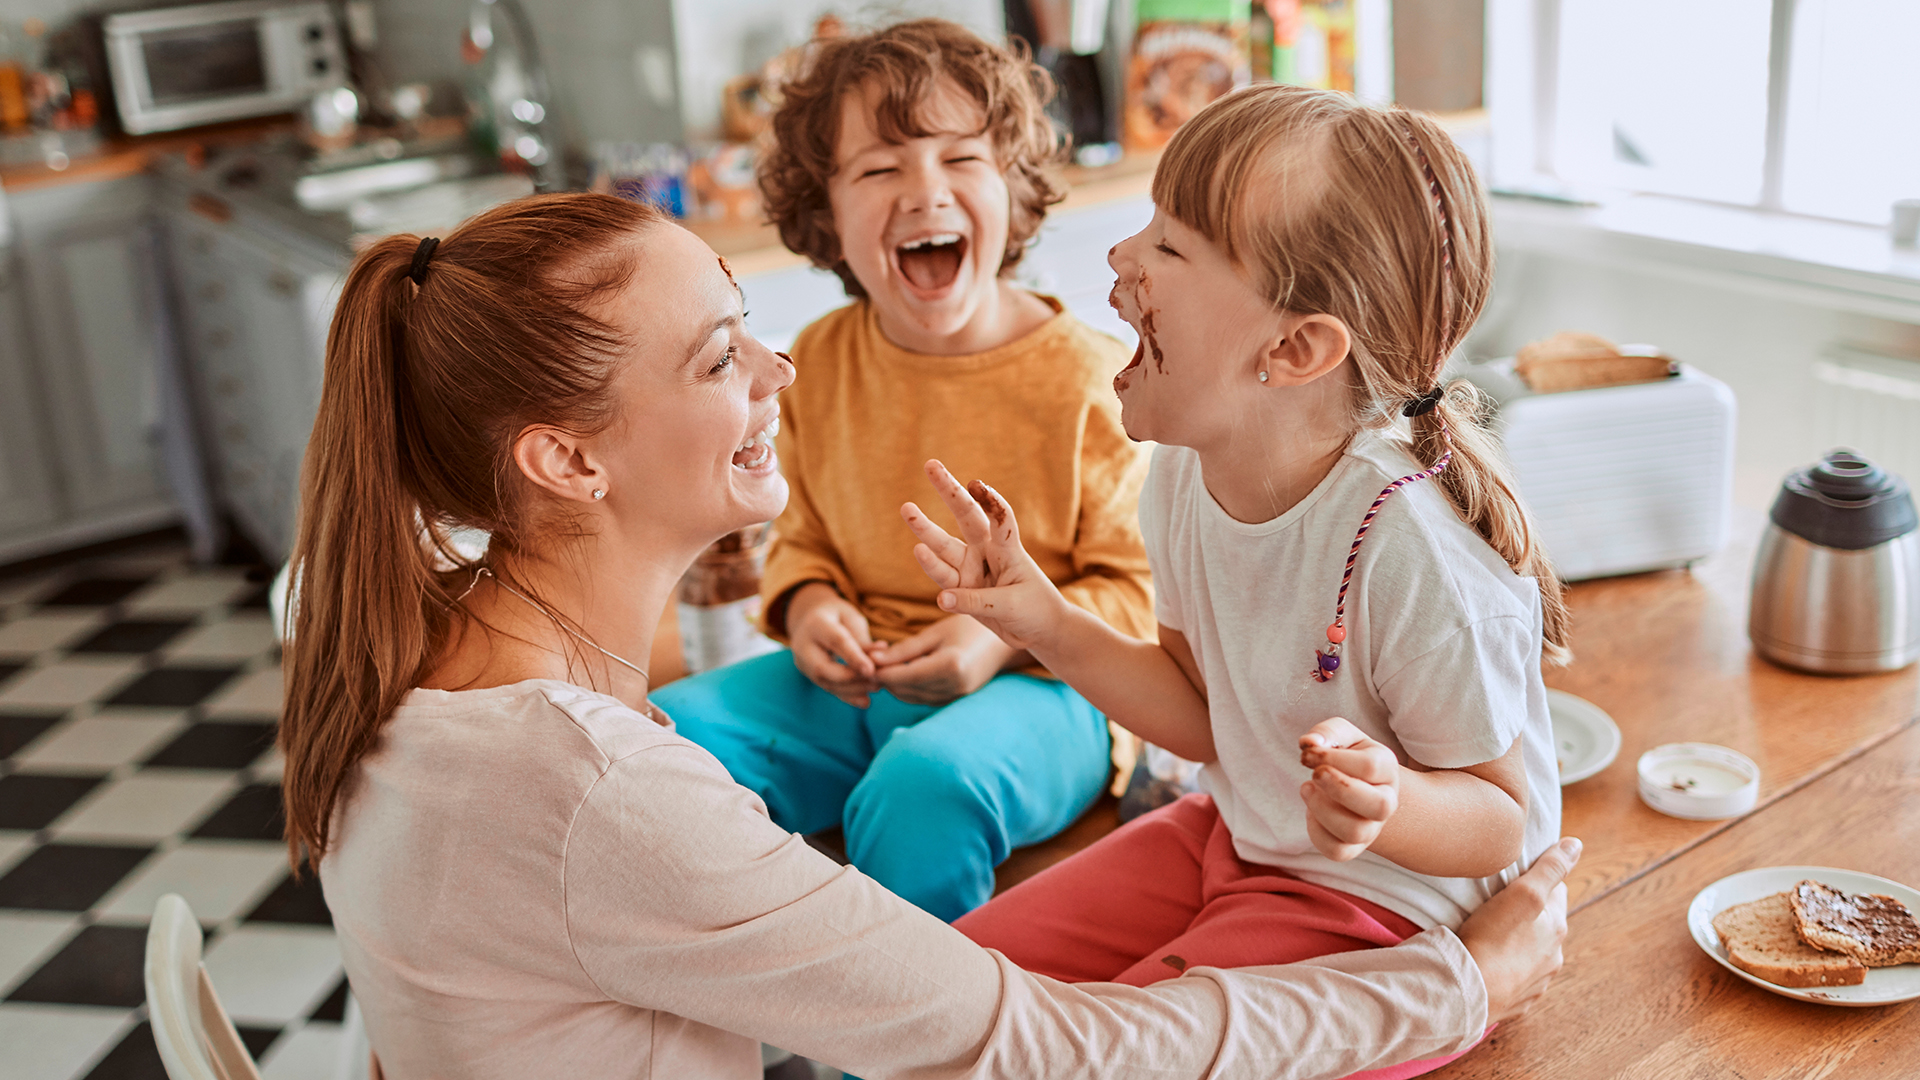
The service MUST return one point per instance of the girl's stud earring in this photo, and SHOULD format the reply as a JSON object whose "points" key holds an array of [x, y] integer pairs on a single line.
{"points": [[1263, 376], [599, 493]]}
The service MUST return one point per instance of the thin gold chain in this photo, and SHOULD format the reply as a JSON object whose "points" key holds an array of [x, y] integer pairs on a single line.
{"points": [[582, 638]]}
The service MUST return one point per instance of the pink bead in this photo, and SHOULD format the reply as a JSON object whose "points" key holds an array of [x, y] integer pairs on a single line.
{"points": [[1336, 633]]}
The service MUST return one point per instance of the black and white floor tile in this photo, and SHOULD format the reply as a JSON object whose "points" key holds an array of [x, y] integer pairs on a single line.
{"points": [[138, 697]]}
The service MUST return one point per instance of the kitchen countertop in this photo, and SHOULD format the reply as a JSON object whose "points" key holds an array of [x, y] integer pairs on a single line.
{"points": [[128, 155]]}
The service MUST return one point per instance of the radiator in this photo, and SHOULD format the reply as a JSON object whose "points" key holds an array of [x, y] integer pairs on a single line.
{"points": [[1870, 404]]}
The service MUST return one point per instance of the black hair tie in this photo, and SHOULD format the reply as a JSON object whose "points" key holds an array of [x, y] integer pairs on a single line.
{"points": [[1425, 403], [422, 255]]}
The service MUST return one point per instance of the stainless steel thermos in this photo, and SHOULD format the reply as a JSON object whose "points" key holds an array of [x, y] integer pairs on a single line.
{"points": [[1836, 583]]}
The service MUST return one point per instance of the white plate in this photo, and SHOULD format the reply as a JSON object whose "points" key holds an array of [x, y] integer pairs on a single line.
{"points": [[1585, 738], [1884, 986]]}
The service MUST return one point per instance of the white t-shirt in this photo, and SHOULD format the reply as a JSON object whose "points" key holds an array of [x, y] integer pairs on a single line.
{"points": [[1441, 661]]}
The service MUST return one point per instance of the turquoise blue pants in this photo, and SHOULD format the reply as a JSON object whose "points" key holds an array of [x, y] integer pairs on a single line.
{"points": [[931, 798]]}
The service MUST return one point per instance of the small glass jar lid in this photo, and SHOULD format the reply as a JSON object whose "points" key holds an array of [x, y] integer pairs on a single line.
{"points": [[1698, 781]]}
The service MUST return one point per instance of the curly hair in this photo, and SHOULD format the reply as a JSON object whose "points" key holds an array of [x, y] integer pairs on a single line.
{"points": [[905, 61]]}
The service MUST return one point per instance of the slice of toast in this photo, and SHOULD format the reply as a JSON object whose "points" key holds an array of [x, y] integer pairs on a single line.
{"points": [[1761, 940], [1876, 930]]}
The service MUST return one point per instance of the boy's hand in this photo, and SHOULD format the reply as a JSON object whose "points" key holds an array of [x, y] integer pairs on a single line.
{"points": [[948, 660], [986, 573], [831, 643], [1354, 790]]}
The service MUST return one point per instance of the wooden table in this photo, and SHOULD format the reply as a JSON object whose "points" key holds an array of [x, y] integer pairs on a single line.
{"points": [[1639, 999], [1666, 655]]}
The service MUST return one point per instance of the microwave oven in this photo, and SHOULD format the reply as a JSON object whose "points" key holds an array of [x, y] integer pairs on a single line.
{"points": [[181, 67]]}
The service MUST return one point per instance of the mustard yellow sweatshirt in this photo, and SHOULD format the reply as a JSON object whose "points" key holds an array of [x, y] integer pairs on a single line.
{"points": [[1036, 418]]}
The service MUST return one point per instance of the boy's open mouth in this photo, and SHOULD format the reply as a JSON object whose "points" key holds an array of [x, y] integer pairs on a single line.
{"points": [[931, 263]]}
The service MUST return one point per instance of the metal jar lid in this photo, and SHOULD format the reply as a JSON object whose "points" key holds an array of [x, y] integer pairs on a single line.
{"points": [[1845, 501]]}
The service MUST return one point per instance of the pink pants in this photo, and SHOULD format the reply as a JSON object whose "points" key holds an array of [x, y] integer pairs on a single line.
{"points": [[1167, 892]]}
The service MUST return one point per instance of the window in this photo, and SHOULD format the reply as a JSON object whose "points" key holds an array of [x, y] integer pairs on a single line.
{"points": [[1805, 106]]}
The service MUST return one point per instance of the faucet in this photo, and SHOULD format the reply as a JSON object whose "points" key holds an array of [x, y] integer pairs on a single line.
{"points": [[514, 95]]}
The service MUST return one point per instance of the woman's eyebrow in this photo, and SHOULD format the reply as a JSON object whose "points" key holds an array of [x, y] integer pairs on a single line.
{"points": [[731, 318]]}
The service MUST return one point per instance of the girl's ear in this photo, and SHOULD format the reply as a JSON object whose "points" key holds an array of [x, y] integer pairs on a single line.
{"points": [[1312, 346], [557, 462]]}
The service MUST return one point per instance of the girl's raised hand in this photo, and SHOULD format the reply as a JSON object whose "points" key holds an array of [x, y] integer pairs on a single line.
{"points": [[984, 573], [1354, 790]]}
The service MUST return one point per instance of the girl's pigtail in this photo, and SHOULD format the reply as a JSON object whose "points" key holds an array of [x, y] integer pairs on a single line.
{"points": [[366, 598], [1479, 483]]}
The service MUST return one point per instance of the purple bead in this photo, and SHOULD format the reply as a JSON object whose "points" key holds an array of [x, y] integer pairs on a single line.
{"points": [[1329, 662]]}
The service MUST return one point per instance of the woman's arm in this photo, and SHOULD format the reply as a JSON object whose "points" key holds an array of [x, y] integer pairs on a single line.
{"points": [[1152, 690], [681, 896]]}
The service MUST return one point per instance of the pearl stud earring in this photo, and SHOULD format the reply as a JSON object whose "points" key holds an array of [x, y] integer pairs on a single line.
{"points": [[1263, 376], [599, 493]]}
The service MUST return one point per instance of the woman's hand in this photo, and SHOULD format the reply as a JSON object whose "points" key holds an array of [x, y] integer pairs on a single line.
{"points": [[1515, 937], [986, 573], [832, 643], [948, 660], [1354, 790]]}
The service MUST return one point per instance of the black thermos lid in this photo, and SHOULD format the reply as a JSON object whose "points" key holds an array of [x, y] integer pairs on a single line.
{"points": [[1845, 501]]}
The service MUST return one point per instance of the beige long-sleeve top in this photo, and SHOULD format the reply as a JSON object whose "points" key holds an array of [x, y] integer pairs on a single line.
{"points": [[536, 880]]}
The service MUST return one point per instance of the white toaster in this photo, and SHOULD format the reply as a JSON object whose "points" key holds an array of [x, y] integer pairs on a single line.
{"points": [[1620, 479]]}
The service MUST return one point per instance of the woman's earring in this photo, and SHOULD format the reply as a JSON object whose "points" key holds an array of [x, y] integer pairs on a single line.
{"points": [[599, 493], [1263, 376]]}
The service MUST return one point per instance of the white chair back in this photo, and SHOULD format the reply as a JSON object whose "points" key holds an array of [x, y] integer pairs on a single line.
{"points": [[191, 1030]]}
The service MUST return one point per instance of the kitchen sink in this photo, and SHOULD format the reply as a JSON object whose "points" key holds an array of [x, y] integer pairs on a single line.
{"points": [[337, 189]]}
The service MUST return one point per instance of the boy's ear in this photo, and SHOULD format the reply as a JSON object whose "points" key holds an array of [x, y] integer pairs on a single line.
{"points": [[1312, 346]]}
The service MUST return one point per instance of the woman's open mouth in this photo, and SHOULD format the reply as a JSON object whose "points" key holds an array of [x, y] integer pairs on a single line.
{"points": [[758, 449], [931, 263]]}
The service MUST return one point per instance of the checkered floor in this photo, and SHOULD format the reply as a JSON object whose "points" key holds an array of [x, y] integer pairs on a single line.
{"points": [[138, 697]]}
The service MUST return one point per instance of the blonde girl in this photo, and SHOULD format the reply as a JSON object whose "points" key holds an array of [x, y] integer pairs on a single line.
{"points": [[1352, 616]]}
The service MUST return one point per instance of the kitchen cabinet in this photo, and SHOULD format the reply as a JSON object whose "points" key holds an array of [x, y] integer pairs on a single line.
{"points": [[81, 338], [255, 302], [28, 503]]}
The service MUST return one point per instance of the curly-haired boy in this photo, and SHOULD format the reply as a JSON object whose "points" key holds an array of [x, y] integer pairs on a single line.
{"points": [[908, 161]]}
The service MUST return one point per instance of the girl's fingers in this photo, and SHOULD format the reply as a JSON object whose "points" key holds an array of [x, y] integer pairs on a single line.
{"points": [[1372, 764], [1330, 845], [1371, 802], [996, 603], [943, 546], [1341, 823], [1005, 529], [937, 568], [966, 511], [1332, 732]]}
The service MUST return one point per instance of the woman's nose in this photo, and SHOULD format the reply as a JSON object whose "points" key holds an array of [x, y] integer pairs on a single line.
{"points": [[782, 374]]}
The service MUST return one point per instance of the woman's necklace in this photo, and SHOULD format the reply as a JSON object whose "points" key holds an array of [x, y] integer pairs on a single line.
{"points": [[582, 638]]}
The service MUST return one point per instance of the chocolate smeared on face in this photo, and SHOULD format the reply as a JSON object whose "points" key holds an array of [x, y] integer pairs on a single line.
{"points": [[1146, 330], [727, 269], [1124, 378], [1143, 293]]}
